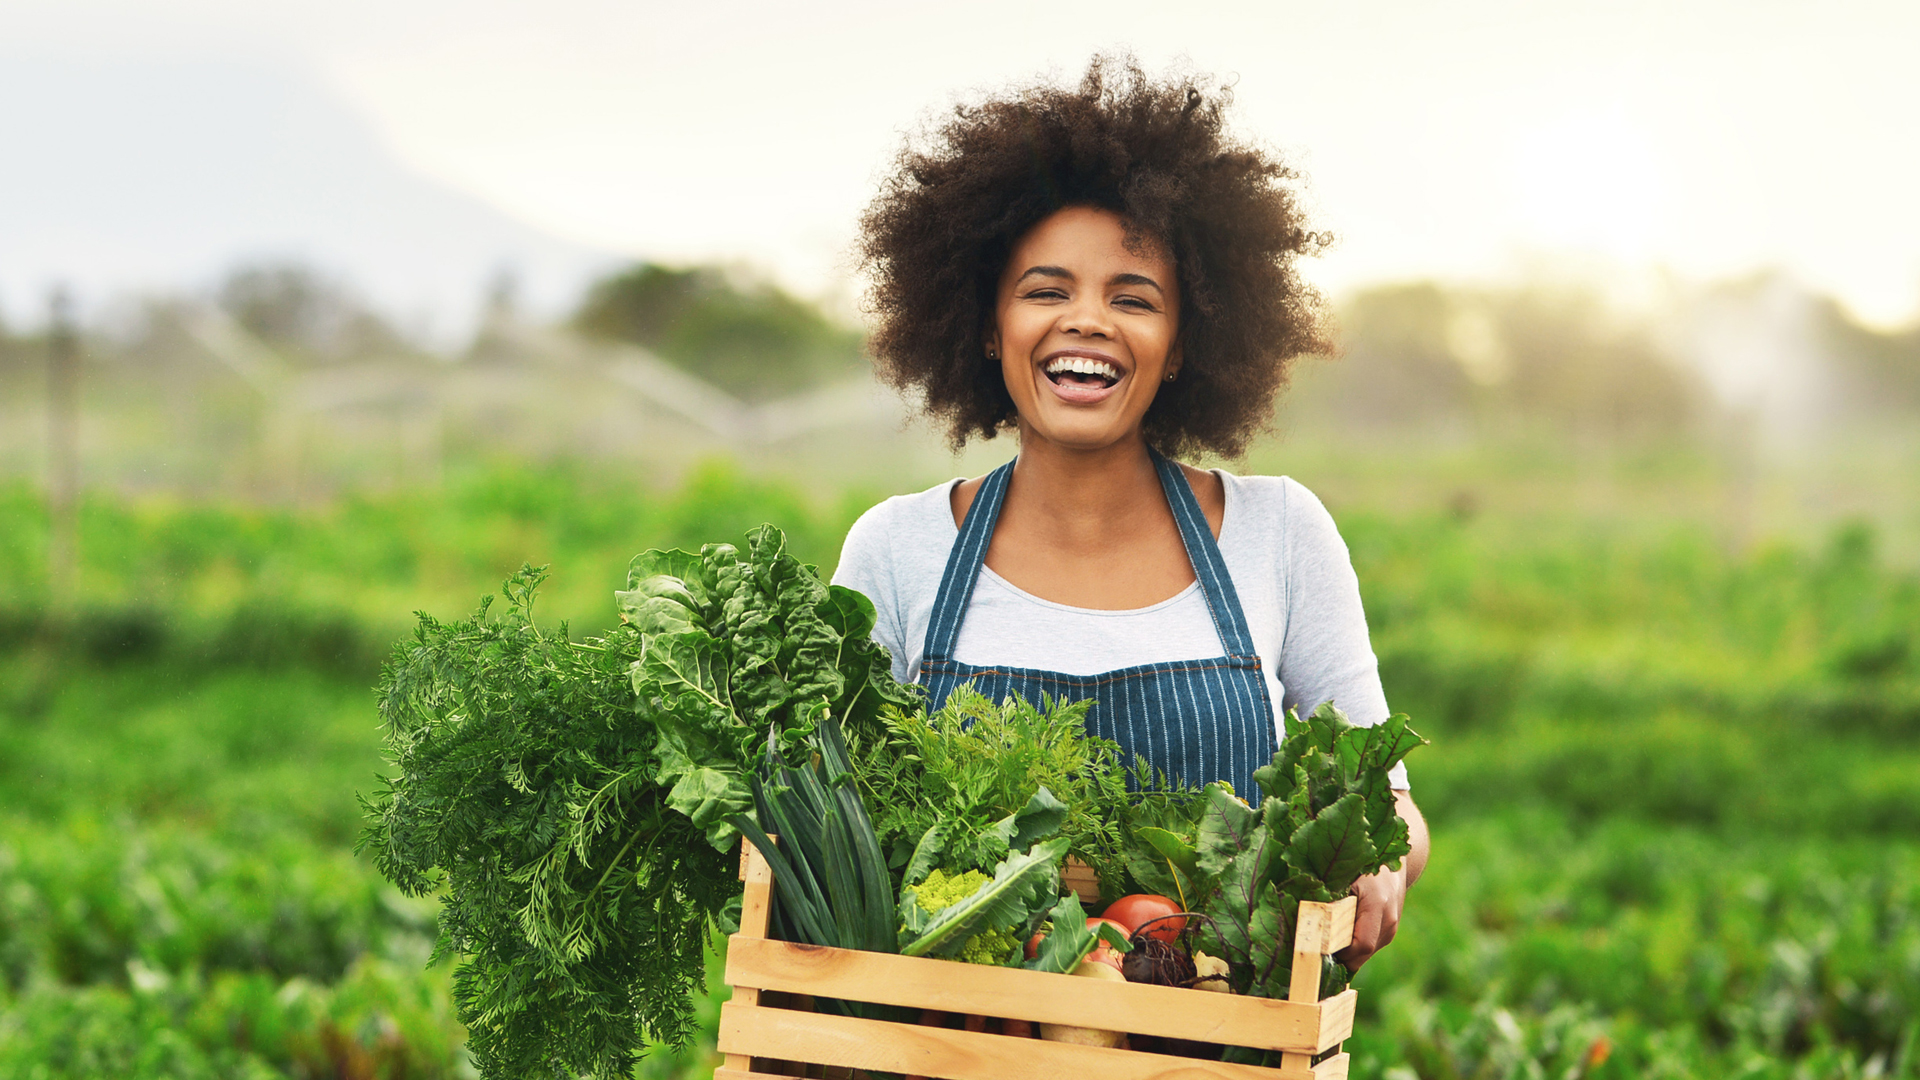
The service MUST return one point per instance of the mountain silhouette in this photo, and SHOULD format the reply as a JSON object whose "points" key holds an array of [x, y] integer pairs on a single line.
{"points": [[143, 177]]}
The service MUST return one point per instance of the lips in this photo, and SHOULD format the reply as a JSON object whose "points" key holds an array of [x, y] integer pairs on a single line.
{"points": [[1081, 378]]}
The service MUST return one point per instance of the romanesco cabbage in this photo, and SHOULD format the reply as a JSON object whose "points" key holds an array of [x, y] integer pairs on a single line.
{"points": [[942, 890]]}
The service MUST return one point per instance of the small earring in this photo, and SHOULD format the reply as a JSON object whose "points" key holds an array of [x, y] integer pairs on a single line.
{"points": [[1170, 376]]}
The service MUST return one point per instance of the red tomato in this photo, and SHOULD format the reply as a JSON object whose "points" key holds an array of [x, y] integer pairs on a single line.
{"points": [[1136, 911], [1033, 944]]}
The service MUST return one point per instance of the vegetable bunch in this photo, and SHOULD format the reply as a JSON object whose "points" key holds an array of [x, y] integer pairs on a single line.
{"points": [[946, 788], [733, 646], [576, 806], [1327, 818], [574, 803]]}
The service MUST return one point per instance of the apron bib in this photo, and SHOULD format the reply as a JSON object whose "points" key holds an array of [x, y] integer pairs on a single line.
{"points": [[1195, 720]]}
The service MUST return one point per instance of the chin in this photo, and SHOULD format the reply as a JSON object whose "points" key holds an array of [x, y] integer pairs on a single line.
{"points": [[1076, 437]]}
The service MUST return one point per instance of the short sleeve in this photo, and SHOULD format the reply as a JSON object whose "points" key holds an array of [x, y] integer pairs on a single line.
{"points": [[1327, 654], [866, 565]]}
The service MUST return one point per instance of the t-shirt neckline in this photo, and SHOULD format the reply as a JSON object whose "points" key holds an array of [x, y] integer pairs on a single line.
{"points": [[1227, 516], [986, 572]]}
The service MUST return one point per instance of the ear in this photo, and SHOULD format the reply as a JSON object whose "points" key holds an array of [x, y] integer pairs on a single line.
{"points": [[1174, 357], [990, 342]]}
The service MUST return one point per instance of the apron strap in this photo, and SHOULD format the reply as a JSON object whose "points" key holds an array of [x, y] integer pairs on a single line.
{"points": [[1208, 564], [963, 565], [976, 533]]}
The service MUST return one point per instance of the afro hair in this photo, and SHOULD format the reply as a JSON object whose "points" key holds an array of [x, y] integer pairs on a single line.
{"points": [[936, 239]]}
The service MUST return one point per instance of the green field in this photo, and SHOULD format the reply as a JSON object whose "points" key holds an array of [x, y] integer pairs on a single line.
{"points": [[1674, 786]]}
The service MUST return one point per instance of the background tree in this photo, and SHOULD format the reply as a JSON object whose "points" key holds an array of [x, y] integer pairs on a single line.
{"points": [[751, 339]]}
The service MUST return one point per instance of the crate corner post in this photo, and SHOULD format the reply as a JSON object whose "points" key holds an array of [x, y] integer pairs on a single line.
{"points": [[756, 901], [1321, 930]]}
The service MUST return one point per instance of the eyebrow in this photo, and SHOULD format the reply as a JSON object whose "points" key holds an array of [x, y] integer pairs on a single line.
{"points": [[1063, 272]]}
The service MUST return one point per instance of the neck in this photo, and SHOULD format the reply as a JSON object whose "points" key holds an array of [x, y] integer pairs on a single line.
{"points": [[1078, 490]]}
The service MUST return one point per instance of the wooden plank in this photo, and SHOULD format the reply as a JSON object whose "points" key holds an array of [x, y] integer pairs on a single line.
{"points": [[1080, 877], [1303, 983], [1026, 995], [756, 908], [1334, 1068], [1340, 930], [877, 1045], [1325, 928], [1336, 1019], [727, 1073], [756, 901]]}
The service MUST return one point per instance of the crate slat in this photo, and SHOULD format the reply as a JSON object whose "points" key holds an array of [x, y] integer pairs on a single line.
{"points": [[880, 1045], [947, 986], [1325, 928], [1334, 1068], [753, 1031]]}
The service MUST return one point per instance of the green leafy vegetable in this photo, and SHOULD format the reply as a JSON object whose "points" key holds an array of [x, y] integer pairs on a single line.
{"points": [[1069, 939], [976, 781], [1012, 902], [734, 645], [524, 795], [576, 805], [1327, 818], [834, 888]]}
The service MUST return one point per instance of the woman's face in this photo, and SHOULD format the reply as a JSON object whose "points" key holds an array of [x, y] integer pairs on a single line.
{"points": [[1084, 329]]}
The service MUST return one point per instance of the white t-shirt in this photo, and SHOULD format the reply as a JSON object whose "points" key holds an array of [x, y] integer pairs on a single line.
{"points": [[1288, 564]]}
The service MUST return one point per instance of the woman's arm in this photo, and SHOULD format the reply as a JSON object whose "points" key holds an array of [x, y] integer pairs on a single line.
{"points": [[1383, 895]]}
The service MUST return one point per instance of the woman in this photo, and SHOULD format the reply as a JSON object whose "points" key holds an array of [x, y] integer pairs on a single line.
{"points": [[1103, 271]]}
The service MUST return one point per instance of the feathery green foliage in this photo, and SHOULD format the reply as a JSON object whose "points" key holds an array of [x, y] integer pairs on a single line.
{"points": [[525, 797], [955, 788]]}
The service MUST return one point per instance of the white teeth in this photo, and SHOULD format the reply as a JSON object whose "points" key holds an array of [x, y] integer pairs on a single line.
{"points": [[1083, 365]]}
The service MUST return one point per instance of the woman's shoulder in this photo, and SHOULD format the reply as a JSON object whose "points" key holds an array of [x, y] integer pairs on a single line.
{"points": [[921, 511], [899, 533], [1269, 504]]}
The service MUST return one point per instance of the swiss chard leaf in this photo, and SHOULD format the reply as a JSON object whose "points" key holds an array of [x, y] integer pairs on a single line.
{"points": [[1334, 847], [1040, 818], [1327, 818]]}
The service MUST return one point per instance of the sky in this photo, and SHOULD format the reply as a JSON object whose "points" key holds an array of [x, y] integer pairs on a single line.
{"points": [[1473, 140]]}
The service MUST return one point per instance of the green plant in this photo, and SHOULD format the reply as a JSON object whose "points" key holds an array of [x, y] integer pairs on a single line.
{"points": [[950, 785], [575, 804], [834, 888], [525, 798]]}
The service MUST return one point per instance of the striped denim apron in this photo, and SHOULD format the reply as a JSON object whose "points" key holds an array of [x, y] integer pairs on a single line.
{"points": [[1195, 720]]}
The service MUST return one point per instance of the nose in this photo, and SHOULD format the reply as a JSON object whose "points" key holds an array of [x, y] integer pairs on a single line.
{"points": [[1087, 316]]}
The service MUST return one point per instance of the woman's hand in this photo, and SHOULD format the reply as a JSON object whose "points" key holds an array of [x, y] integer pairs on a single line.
{"points": [[1384, 894]]}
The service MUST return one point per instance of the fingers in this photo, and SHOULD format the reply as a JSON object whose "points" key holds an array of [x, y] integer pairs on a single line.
{"points": [[1377, 918], [1366, 933]]}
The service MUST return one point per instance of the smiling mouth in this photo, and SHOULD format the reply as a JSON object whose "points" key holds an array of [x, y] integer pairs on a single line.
{"points": [[1081, 371]]}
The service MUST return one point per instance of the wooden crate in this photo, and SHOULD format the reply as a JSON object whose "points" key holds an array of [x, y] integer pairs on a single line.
{"points": [[766, 1029]]}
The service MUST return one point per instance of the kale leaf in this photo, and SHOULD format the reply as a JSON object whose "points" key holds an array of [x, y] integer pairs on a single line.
{"points": [[735, 645]]}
